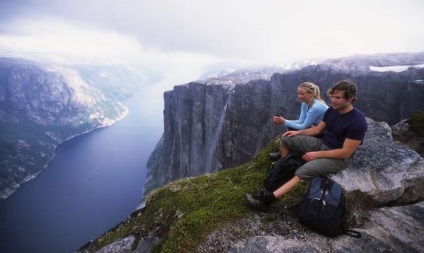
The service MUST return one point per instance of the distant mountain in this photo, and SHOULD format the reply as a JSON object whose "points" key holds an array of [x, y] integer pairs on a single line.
{"points": [[219, 123], [42, 105], [378, 60]]}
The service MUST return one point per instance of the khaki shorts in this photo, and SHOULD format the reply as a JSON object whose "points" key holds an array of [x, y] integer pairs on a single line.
{"points": [[318, 167]]}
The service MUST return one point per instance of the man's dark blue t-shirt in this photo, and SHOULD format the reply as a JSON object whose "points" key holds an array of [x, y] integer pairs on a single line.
{"points": [[351, 125]]}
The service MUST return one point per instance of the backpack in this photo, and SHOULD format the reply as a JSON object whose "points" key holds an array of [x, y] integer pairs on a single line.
{"points": [[282, 171], [323, 208]]}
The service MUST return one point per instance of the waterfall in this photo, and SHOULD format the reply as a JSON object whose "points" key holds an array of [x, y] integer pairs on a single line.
{"points": [[210, 155]]}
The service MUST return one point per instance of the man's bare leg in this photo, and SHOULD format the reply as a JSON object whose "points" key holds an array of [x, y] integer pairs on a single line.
{"points": [[284, 151], [286, 187]]}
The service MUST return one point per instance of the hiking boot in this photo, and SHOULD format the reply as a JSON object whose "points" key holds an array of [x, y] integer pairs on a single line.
{"points": [[261, 200], [275, 155]]}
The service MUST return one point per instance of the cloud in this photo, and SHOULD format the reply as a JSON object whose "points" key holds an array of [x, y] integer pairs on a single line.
{"points": [[248, 31], [55, 39]]}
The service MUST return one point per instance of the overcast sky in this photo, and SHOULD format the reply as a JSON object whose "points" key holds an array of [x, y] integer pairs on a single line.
{"points": [[185, 36]]}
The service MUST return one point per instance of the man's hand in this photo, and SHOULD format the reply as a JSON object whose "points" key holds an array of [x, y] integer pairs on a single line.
{"points": [[309, 156], [290, 133]]}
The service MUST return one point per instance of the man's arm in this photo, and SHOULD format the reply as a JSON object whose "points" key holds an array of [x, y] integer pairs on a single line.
{"points": [[349, 147]]}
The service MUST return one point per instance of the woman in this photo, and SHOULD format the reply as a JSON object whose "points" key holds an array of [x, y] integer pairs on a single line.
{"points": [[311, 111]]}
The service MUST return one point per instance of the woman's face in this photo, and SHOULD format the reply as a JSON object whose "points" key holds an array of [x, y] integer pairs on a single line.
{"points": [[303, 95]]}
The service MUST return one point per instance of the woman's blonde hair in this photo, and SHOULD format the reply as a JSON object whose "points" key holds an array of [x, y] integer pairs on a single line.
{"points": [[313, 89]]}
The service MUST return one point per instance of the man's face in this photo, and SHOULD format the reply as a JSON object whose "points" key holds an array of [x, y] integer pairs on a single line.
{"points": [[338, 102]]}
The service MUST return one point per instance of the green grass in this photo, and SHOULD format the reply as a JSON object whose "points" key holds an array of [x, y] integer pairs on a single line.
{"points": [[414, 139], [184, 212], [416, 124]]}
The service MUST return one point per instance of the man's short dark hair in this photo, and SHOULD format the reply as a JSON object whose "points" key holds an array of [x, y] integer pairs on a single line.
{"points": [[347, 87]]}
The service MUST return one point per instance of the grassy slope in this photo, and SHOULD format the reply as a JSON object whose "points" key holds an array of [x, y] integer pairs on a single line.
{"points": [[186, 211]]}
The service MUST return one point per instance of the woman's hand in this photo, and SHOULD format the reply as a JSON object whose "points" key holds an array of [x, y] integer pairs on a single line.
{"points": [[279, 120]]}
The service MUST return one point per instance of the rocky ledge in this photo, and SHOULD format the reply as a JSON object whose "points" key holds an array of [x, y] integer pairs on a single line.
{"points": [[384, 192]]}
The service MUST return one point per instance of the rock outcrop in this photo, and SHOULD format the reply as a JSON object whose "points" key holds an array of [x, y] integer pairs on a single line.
{"points": [[391, 177], [390, 229], [223, 122]]}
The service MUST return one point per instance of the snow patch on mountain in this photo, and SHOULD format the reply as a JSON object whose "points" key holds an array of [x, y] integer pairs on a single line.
{"points": [[395, 68]]}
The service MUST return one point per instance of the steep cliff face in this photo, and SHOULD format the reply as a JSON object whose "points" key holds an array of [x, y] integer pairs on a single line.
{"points": [[221, 123], [42, 105]]}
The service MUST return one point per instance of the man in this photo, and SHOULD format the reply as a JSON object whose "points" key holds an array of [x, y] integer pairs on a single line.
{"points": [[344, 129]]}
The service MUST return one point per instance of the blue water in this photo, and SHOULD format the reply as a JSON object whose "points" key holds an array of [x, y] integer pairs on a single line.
{"points": [[93, 183]]}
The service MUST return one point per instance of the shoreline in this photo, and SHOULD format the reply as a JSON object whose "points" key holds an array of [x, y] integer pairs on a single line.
{"points": [[8, 192]]}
